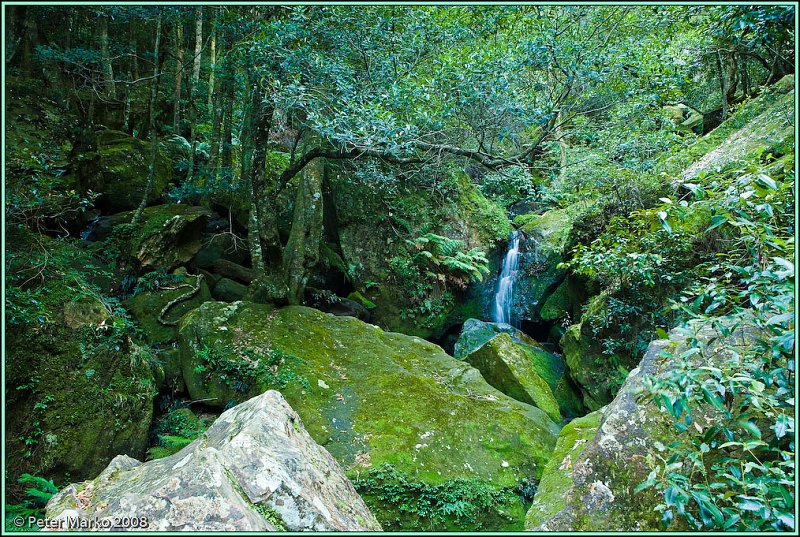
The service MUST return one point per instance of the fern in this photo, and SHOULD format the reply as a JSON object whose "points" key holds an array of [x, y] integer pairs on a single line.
{"points": [[447, 254]]}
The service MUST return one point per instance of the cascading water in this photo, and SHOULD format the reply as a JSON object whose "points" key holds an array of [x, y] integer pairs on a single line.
{"points": [[505, 285]]}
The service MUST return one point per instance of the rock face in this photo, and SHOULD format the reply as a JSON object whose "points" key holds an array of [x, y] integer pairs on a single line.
{"points": [[516, 364], [546, 239], [118, 170], [370, 397], [595, 490], [475, 333], [171, 236], [75, 395], [557, 478], [255, 469], [511, 370]]}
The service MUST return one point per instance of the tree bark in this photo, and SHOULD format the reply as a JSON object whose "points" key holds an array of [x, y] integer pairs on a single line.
{"points": [[305, 239], [176, 117], [212, 65], [105, 56], [137, 216], [198, 48]]}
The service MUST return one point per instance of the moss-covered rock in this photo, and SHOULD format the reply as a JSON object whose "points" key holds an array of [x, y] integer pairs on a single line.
{"points": [[146, 307], [118, 170], [596, 490], [475, 333], [551, 494], [228, 290], [75, 398], [508, 368], [370, 397], [546, 238], [361, 299], [765, 121]]}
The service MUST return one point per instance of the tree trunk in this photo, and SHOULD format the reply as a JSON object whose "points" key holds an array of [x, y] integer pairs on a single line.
{"points": [[212, 66], [198, 48], [723, 85], [137, 216], [176, 118], [105, 56], [305, 239], [215, 106]]}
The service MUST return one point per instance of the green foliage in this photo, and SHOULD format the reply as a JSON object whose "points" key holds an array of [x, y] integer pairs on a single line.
{"points": [[464, 501], [176, 429], [446, 256], [38, 494], [245, 368], [738, 473]]}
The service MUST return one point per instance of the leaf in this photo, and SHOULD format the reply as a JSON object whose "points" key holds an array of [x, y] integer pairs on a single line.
{"points": [[716, 222], [768, 181]]}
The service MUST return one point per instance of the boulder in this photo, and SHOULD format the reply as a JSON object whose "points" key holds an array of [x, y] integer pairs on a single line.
{"points": [[76, 396], [372, 398], [269, 288], [328, 302], [475, 333], [170, 236], [228, 290], [234, 271], [356, 296], [510, 369], [550, 367], [118, 170], [596, 490], [545, 241], [87, 310], [255, 469], [221, 246], [556, 480]]}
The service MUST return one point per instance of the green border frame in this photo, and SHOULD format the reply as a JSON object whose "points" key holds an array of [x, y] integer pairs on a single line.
{"points": [[377, 3]]}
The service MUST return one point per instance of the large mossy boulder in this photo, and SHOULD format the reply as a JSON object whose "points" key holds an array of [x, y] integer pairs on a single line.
{"points": [[146, 307], [475, 333], [118, 170], [556, 481], [510, 369], [537, 362], [372, 398], [77, 394], [596, 489], [78, 391], [171, 235], [546, 238], [255, 469]]}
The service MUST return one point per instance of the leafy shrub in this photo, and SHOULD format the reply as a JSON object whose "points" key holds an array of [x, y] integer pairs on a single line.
{"points": [[739, 473]]}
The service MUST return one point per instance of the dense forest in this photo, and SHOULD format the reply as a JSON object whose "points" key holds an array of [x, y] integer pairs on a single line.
{"points": [[476, 268]]}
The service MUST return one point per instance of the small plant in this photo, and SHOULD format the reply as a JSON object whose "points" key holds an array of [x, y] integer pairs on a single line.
{"points": [[40, 492], [466, 501], [245, 368]]}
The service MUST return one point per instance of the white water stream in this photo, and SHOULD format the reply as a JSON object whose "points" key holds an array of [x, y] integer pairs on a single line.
{"points": [[505, 285]]}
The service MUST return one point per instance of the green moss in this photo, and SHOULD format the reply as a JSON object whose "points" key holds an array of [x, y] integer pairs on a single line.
{"points": [[119, 170], [361, 299], [557, 305], [513, 370], [376, 397], [556, 481]]}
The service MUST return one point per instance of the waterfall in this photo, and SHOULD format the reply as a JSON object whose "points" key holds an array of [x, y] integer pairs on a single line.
{"points": [[505, 285]]}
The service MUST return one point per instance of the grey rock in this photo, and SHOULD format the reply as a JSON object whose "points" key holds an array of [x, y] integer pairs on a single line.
{"points": [[255, 469]]}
